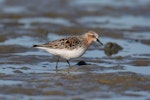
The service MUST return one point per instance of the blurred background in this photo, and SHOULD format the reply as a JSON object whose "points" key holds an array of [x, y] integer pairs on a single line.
{"points": [[118, 70]]}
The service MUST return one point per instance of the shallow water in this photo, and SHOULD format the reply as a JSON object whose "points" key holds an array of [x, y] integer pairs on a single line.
{"points": [[27, 73]]}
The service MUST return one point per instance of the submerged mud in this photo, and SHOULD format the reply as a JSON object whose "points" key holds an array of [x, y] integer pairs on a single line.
{"points": [[27, 73], [81, 86]]}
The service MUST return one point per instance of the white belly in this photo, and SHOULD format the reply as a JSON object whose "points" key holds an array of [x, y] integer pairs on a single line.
{"points": [[64, 53]]}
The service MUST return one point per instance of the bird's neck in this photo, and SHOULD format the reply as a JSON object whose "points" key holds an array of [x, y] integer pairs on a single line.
{"points": [[87, 41]]}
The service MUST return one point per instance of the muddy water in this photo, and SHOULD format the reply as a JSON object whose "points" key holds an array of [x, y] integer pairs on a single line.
{"points": [[29, 74]]}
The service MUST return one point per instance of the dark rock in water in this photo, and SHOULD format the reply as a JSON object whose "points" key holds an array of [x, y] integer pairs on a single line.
{"points": [[17, 71], [112, 48], [2, 38], [81, 63]]}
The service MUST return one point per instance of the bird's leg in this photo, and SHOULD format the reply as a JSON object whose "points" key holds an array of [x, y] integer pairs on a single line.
{"points": [[57, 63], [68, 64]]}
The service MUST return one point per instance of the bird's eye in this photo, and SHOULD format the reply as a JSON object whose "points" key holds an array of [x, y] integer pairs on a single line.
{"points": [[93, 36]]}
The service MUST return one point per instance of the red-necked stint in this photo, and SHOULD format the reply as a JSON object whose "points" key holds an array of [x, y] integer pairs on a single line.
{"points": [[70, 47]]}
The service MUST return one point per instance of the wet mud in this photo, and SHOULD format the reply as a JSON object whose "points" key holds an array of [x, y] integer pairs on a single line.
{"points": [[118, 70]]}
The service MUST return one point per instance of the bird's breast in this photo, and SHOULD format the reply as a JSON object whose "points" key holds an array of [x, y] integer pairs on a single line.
{"points": [[74, 53]]}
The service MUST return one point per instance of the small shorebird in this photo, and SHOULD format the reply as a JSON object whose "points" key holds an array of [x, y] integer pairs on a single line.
{"points": [[70, 47]]}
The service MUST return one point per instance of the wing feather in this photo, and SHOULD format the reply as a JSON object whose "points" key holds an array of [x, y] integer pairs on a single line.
{"points": [[68, 43]]}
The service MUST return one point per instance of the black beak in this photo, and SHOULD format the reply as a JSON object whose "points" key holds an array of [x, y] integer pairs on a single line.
{"points": [[99, 41]]}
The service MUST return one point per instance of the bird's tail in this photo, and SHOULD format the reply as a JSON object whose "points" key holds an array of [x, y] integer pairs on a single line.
{"points": [[36, 46]]}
